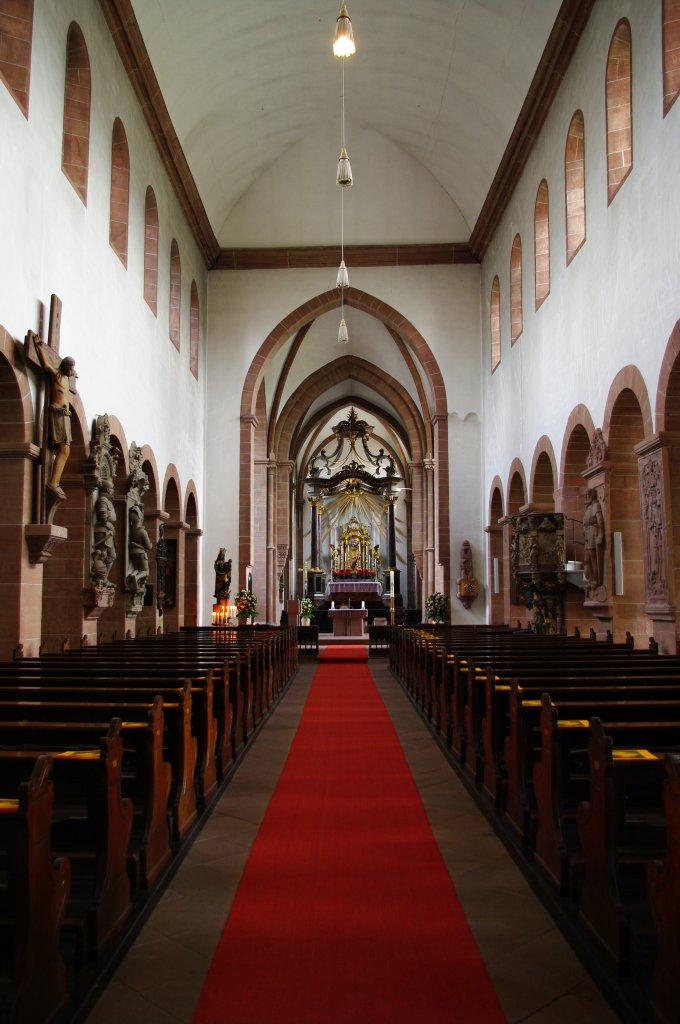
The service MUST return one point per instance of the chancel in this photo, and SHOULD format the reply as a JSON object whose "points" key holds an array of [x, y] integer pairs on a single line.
{"points": [[377, 464]]}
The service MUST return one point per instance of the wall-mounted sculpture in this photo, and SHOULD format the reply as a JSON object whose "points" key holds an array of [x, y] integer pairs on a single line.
{"points": [[468, 586], [100, 473], [139, 542], [595, 543]]}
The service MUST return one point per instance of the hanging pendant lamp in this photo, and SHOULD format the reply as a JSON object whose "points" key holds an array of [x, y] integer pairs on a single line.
{"points": [[343, 44]]}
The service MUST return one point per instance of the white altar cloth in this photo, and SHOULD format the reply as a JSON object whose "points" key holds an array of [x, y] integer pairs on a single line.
{"points": [[337, 588]]}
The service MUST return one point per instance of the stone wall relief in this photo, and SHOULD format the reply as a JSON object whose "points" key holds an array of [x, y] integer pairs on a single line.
{"points": [[138, 540], [654, 541], [100, 472]]}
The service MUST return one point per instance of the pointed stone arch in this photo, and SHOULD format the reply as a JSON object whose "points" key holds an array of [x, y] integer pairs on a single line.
{"points": [[428, 427]]}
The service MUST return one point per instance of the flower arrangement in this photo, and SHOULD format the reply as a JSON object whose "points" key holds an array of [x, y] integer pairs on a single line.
{"points": [[351, 574], [306, 608], [246, 605], [436, 607]]}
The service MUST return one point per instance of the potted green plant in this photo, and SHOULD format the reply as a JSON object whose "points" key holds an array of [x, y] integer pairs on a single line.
{"points": [[436, 607], [306, 611]]}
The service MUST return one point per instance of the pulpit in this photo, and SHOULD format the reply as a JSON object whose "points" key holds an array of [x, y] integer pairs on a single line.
{"points": [[348, 621]]}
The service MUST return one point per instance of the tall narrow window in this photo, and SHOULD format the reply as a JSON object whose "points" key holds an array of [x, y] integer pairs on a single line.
{"points": [[175, 293], [193, 331], [541, 245], [16, 32], [575, 186], [671, 53], [120, 192], [151, 251], [516, 315], [619, 110], [75, 146], [495, 322]]}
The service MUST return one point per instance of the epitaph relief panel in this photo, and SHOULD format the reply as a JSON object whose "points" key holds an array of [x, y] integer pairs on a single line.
{"points": [[138, 540], [654, 529], [100, 473]]}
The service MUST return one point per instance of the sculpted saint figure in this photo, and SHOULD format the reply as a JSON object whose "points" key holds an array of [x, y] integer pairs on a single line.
{"points": [[139, 544], [593, 527], [60, 415], [104, 548], [222, 575]]}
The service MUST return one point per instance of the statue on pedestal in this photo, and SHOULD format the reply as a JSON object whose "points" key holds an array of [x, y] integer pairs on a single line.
{"points": [[222, 576]]}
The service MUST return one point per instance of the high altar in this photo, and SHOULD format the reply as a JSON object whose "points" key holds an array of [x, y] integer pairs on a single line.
{"points": [[355, 493]]}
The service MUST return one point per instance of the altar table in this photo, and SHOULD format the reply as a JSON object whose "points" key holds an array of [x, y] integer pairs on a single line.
{"points": [[348, 621], [368, 588]]}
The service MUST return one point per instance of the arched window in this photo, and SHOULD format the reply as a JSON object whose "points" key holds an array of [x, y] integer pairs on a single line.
{"points": [[75, 146], [151, 251], [193, 331], [671, 53], [575, 186], [619, 110], [495, 321], [541, 245], [16, 34], [120, 192], [175, 293], [516, 315]]}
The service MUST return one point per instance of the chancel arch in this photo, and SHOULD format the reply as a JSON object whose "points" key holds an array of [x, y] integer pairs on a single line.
{"points": [[412, 405]]}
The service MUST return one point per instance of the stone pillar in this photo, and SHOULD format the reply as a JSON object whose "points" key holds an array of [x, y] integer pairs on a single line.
{"points": [[191, 573], [21, 565], [271, 583], [495, 548], [429, 560], [597, 475], [176, 531]]}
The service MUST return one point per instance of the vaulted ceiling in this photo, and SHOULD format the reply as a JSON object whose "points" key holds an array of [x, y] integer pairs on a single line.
{"points": [[432, 96]]}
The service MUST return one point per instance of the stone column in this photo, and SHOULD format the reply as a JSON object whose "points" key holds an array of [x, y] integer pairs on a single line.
{"points": [[429, 560], [270, 597], [21, 566]]}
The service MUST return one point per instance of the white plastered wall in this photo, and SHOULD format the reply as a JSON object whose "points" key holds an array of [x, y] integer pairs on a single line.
{"points": [[50, 242], [617, 302]]}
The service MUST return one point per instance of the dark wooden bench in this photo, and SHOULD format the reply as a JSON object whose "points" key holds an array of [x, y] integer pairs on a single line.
{"points": [[33, 897]]}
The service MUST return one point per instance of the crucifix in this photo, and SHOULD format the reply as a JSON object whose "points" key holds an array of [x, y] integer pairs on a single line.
{"points": [[55, 431]]}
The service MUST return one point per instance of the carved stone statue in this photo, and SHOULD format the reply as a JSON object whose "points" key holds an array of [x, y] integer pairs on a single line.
{"points": [[593, 528], [222, 576], [60, 414], [139, 543], [468, 586], [104, 546]]}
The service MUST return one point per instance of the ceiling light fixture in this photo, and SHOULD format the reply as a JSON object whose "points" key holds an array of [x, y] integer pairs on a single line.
{"points": [[343, 47], [343, 44]]}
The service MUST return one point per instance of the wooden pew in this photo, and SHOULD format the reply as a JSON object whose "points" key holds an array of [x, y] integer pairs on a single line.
{"points": [[621, 827], [92, 826], [146, 776], [32, 902], [561, 777], [663, 884]]}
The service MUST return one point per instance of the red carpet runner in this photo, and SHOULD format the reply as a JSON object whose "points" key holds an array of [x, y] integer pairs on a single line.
{"points": [[345, 913]]}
